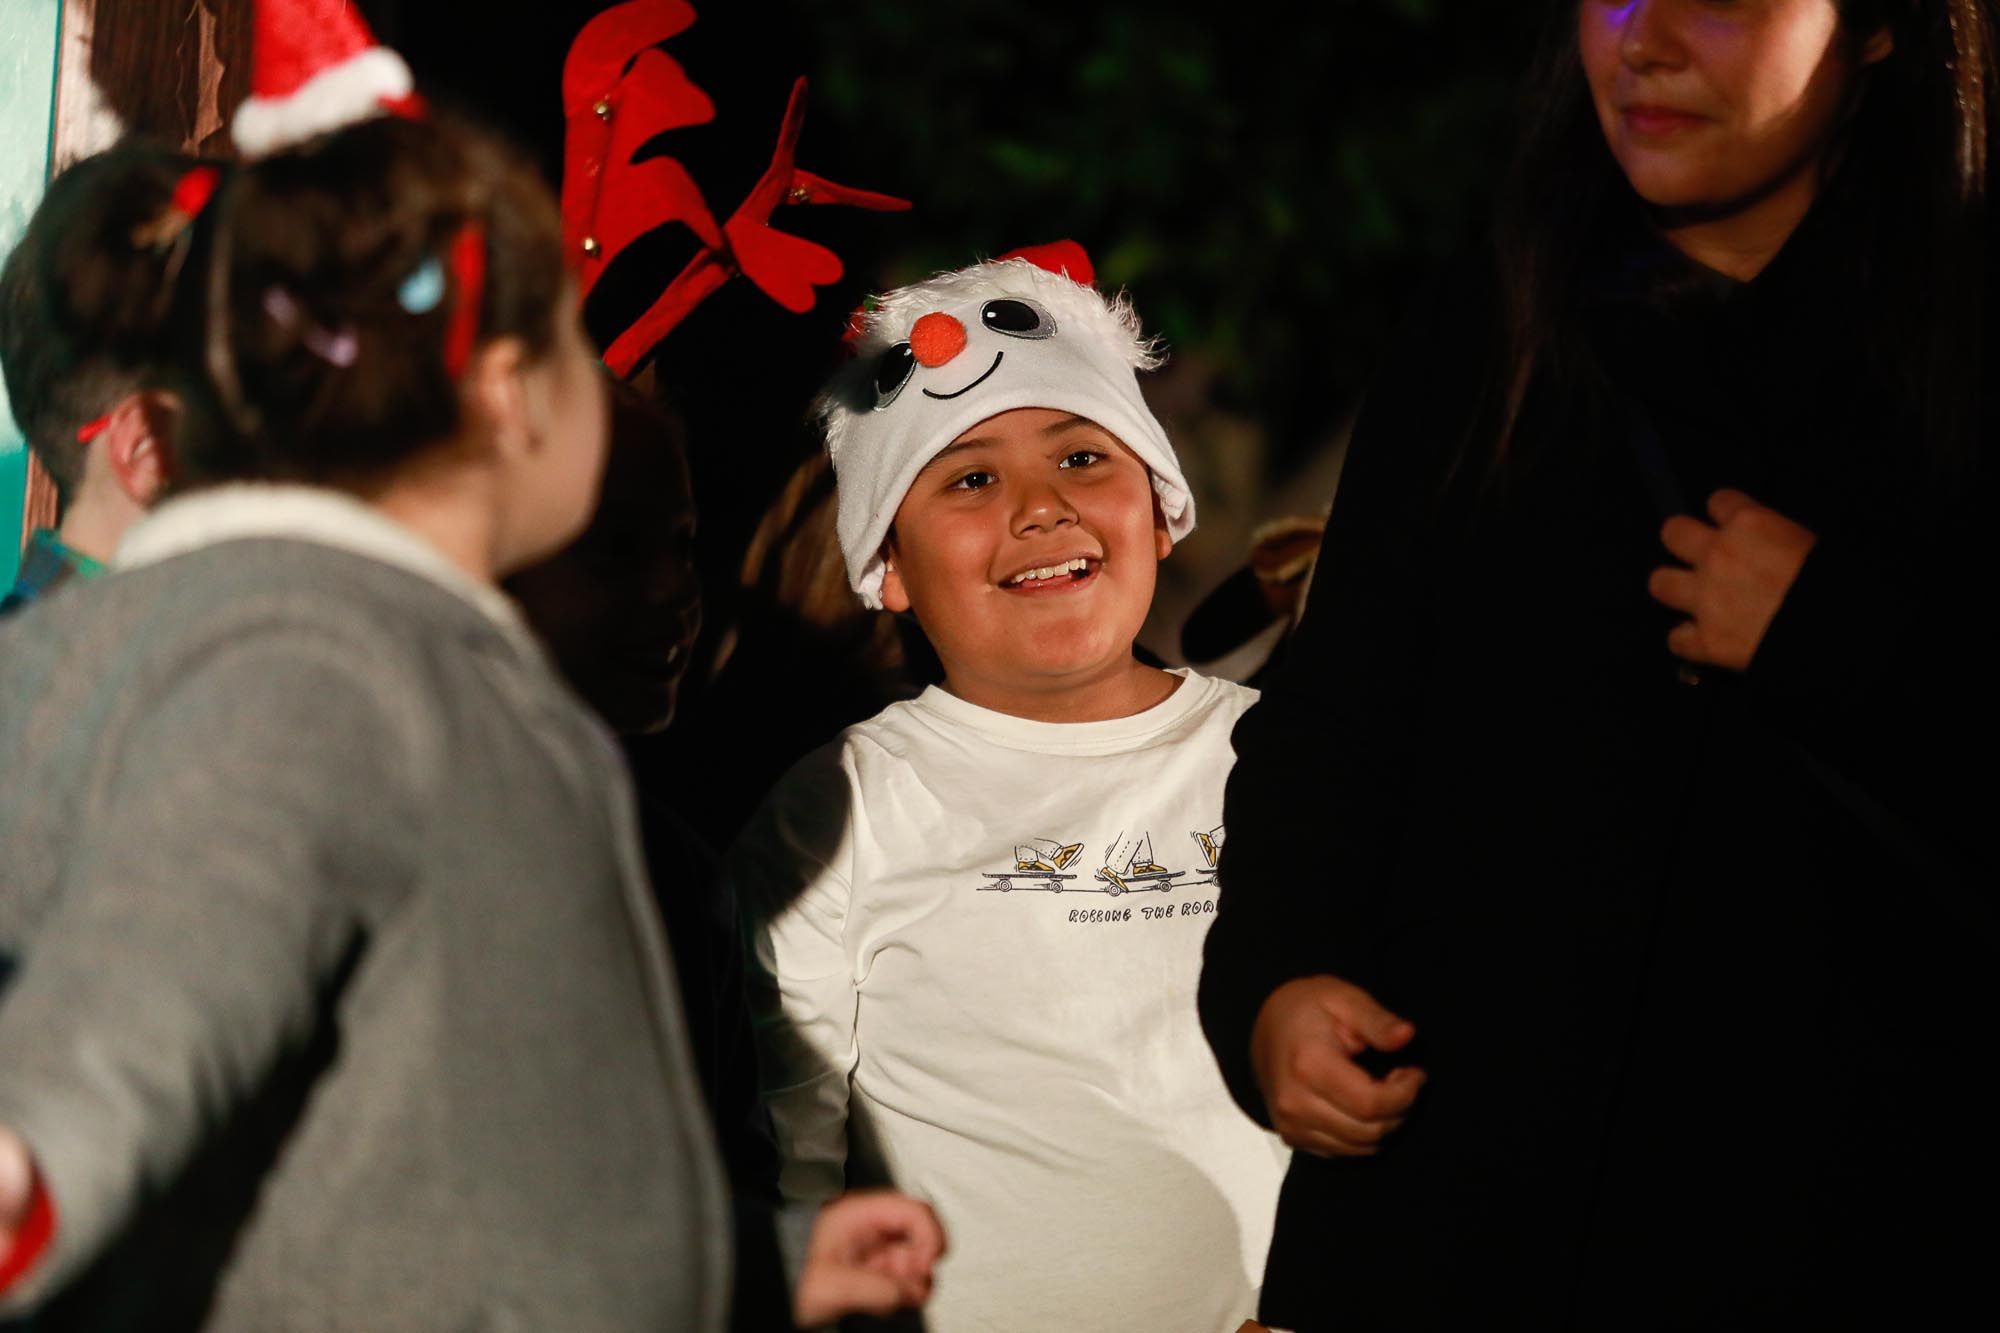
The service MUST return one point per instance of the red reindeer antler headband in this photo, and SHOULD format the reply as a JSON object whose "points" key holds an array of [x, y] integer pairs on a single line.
{"points": [[618, 93]]}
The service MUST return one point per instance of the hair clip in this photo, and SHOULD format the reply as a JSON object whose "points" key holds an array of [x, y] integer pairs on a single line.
{"points": [[336, 347], [420, 293], [190, 196], [93, 428], [424, 290], [468, 270]]}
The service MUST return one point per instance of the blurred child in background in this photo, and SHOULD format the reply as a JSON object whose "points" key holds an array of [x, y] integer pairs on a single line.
{"points": [[83, 305]]}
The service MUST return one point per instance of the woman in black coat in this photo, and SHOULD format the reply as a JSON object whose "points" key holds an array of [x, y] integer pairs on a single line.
{"points": [[1609, 903]]}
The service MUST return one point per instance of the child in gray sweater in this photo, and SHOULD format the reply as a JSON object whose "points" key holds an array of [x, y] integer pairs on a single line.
{"points": [[343, 1000]]}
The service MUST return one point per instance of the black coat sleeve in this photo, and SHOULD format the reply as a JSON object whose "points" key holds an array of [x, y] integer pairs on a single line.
{"points": [[1879, 667], [1317, 803]]}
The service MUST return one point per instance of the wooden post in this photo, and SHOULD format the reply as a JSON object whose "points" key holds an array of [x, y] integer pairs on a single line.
{"points": [[38, 510], [171, 72]]}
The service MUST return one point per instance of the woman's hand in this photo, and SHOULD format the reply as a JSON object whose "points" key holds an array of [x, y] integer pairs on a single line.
{"points": [[871, 1253], [1739, 570], [1303, 1048]]}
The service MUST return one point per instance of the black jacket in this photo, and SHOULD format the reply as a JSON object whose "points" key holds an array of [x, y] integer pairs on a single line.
{"points": [[1700, 972]]}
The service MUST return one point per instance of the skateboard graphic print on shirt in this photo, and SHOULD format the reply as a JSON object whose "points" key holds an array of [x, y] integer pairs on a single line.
{"points": [[1050, 865]]}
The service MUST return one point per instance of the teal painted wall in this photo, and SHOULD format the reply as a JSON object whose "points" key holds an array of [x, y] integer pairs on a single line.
{"points": [[29, 32]]}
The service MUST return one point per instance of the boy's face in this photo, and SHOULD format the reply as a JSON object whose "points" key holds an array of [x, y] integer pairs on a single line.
{"points": [[1026, 492]]}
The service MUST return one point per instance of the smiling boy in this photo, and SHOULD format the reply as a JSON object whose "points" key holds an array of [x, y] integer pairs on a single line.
{"points": [[977, 918]]}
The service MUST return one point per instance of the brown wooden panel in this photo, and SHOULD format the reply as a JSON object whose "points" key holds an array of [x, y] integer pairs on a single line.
{"points": [[168, 69], [40, 509]]}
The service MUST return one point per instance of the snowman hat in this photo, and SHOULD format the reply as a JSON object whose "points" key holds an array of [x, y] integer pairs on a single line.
{"points": [[937, 357], [315, 68]]}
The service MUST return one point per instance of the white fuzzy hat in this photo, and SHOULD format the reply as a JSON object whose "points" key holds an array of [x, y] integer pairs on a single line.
{"points": [[937, 357]]}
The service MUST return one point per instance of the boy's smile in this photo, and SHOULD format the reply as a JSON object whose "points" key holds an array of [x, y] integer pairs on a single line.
{"points": [[1028, 550], [1056, 576]]}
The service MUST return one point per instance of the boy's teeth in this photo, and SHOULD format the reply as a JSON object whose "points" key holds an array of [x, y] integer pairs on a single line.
{"points": [[1075, 566]]}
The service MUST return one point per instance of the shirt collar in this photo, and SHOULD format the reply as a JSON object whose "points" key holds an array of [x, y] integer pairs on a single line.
{"points": [[244, 510], [46, 564], [54, 548], [1116, 735]]}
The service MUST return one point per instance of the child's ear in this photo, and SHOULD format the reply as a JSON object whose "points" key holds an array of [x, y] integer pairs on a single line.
{"points": [[135, 444], [496, 397], [895, 597], [1163, 536]]}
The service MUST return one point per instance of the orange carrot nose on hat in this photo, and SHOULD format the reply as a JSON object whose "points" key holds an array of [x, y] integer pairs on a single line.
{"points": [[936, 339], [315, 68]]}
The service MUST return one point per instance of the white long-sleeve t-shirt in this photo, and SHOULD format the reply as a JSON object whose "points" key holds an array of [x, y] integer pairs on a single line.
{"points": [[976, 943]]}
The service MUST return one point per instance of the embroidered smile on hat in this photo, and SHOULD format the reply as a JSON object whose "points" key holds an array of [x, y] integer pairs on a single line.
{"points": [[937, 357]]}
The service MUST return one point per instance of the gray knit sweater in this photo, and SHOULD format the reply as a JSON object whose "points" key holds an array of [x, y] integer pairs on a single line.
{"points": [[340, 999]]}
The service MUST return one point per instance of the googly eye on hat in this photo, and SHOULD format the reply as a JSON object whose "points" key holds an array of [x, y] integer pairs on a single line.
{"points": [[936, 358]]}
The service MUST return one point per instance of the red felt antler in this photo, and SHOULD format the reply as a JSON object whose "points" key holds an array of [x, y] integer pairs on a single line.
{"points": [[600, 53], [632, 198], [618, 94], [608, 113], [784, 267]]}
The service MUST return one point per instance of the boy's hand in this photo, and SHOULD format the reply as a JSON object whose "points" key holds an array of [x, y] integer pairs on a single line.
{"points": [[871, 1253], [1303, 1048], [1739, 571]]}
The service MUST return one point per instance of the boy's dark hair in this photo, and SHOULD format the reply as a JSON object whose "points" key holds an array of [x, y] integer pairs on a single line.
{"points": [[84, 299], [312, 247]]}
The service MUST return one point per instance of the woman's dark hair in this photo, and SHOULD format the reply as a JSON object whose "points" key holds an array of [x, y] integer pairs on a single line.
{"points": [[315, 357], [1914, 164], [85, 295]]}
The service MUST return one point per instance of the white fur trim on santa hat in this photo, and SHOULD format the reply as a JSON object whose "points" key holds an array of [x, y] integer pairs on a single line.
{"points": [[1088, 366], [332, 99]]}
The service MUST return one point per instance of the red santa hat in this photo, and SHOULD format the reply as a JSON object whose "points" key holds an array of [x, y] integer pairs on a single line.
{"points": [[315, 68]]}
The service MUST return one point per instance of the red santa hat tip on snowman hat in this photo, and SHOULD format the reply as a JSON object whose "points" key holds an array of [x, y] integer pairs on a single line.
{"points": [[315, 68]]}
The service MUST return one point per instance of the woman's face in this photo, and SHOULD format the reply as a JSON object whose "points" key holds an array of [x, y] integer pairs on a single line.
{"points": [[1712, 106]]}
